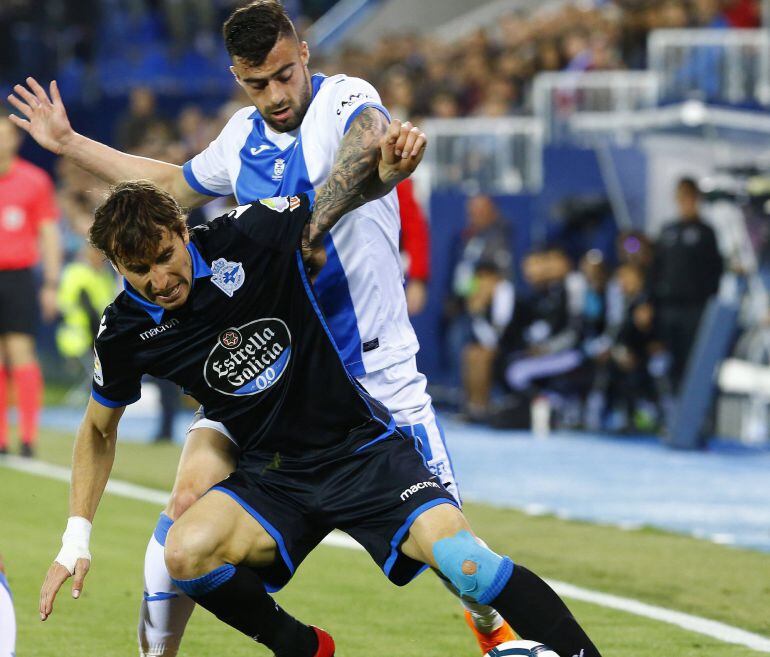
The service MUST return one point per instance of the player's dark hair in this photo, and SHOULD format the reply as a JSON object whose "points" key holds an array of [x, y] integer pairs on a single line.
{"points": [[251, 31], [129, 225], [689, 185]]}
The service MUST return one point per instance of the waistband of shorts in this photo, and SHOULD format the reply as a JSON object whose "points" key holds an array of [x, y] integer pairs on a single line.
{"points": [[259, 459]]}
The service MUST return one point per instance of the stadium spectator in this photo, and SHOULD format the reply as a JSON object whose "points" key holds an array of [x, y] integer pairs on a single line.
{"points": [[28, 230], [624, 381], [489, 307], [191, 22], [685, 275], [141, 122], [541, 344], [486, 237], [88, 285], [7, 616]]}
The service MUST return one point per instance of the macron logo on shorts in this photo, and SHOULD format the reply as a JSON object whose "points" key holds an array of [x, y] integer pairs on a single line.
{"points": [[417, 487]]}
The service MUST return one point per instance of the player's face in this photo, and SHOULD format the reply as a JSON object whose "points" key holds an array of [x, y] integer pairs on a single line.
{"points": [[166, 278], [280, 87]]}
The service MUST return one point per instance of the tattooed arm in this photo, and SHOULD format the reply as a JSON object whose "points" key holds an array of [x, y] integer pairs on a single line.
{"points": [[372, 159]]}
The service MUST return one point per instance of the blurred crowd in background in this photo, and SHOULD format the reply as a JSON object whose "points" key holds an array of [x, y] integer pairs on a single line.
{"points": [[98, 47], [602, 340]]}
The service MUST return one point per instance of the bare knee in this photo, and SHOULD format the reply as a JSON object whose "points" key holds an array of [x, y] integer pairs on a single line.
{"points": [[192, 550]]}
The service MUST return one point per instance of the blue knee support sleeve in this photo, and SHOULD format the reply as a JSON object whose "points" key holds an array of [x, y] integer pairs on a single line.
{"points": [[161, 529], [491, 572], [207, 583]]}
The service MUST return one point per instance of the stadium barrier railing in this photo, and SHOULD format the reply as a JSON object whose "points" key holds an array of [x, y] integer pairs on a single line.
{"points": [[719, 66], [491, 155], [557, 97]]}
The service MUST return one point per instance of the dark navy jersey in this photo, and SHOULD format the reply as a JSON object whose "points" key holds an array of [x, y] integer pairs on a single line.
{"points": [[249, 343]]}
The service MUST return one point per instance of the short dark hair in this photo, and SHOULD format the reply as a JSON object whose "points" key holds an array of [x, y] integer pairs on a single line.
{"points": [[690, 185], [251, 31], [129, 225]]}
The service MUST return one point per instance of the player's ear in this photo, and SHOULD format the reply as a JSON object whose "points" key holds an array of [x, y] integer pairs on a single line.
{"points": [[304, 53], [185, 235], [235, 74]]}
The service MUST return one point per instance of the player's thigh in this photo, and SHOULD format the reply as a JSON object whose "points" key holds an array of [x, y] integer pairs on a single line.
{"points": [[207, 458], [19, 348], [213, 531], [438, 522]]}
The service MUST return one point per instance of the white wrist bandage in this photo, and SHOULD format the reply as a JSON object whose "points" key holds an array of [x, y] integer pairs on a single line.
{"points": [[74, 543]]}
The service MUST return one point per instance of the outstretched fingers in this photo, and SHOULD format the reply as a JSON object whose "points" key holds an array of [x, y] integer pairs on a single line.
{"points": [[55, 95], [30, 102], [56, 576], [40, 94]]}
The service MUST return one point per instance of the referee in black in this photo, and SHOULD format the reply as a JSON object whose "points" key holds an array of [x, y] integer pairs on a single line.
{"points": [[686, 272], [227, 312]]}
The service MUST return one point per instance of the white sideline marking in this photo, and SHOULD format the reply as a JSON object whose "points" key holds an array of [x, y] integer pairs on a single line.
{"points": [[714, 629]]}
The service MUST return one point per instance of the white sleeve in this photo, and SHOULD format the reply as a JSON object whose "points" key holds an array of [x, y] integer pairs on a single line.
{"points": [[351, 96], [210, 172]]}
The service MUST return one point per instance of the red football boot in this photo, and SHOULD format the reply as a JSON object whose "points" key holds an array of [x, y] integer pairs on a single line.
{"points": [[325, 643]]}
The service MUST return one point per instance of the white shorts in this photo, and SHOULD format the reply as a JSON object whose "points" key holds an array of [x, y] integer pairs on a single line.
{"points": [[402, 389]]}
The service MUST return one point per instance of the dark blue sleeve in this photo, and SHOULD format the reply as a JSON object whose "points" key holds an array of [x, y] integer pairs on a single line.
{"points": [[276, 223], [116, 381]]}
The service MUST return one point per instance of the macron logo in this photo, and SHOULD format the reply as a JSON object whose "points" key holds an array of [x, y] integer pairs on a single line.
{"points": [[257, 151], [417, 487]]}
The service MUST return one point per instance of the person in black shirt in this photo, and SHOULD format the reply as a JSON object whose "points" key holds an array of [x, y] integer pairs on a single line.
{"points": [[541, 343], [686, 272], [228, 313]]}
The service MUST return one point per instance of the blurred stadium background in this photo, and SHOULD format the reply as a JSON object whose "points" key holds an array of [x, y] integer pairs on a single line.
{"points": [[594, 359]]}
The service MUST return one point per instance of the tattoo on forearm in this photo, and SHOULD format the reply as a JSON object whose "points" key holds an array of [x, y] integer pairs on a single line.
{"points": [[351, 176]]}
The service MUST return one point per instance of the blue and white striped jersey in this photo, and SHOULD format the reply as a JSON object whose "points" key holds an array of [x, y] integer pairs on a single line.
{"points": [[361, 287]]}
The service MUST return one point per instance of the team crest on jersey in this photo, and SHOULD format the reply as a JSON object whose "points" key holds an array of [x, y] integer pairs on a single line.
{"points": [[281, 203], [227, 276], [278, 203], [249, 359], [278, 167]]}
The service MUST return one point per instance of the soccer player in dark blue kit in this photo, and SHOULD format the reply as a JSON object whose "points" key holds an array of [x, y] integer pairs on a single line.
{"points": [[227, 312]]}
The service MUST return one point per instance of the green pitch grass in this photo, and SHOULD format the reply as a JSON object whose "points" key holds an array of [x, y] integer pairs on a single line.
{"points": [[344, 592]]}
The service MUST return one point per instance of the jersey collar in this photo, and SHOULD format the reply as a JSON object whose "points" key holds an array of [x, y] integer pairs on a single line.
{"points": [[316, 81], [200, 269]]}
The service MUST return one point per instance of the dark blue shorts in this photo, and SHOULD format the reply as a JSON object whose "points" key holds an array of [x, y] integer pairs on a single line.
{"points": [[373, 494]]}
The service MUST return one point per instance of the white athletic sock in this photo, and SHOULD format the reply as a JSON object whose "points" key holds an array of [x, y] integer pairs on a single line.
{"points": [[7, 620], [165, 609], [485, 619]]}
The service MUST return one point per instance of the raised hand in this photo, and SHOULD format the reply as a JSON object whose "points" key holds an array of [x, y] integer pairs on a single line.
{"points": [[402, 148], [46, 118]]}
